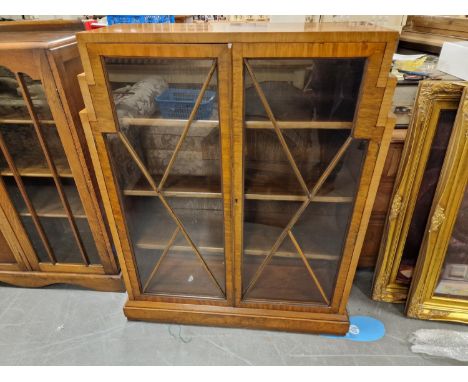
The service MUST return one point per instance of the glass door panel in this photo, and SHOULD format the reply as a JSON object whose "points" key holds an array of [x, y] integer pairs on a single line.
{"points": [[453, 279], [37, 176], [167, 162], [318, 89], [13, 106], [302, 170]]}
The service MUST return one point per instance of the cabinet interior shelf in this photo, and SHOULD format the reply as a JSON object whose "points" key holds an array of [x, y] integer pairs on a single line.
{"points": [[299, 125], [33, 170], [15, 121], [162, 122], [204, 187], [206, 231], [47, 203], [179, 186]]}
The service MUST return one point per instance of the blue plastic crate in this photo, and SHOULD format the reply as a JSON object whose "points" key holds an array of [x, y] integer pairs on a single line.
{"points": [[143, 19], [177, 103]]}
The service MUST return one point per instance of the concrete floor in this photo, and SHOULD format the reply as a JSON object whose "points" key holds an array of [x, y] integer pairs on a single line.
{"points": [[64, 326]]}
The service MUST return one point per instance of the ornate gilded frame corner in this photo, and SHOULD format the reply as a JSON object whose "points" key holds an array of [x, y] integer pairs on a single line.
{"points": [[432, 97], [422, 301]]}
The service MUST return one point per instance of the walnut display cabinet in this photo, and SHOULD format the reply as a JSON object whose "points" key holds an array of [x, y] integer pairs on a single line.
{"points": [[51, 216], [238, 165]]}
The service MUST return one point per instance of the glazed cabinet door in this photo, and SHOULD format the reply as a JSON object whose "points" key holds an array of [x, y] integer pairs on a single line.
{"points": [[164, 133], [37, 187], [304, 146]]}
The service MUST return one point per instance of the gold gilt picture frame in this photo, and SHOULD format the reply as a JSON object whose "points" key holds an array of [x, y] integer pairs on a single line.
{"points": [[439, 290], [434, 115]]}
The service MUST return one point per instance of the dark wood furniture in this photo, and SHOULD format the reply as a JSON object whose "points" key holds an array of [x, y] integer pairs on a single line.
{"points": [[247, 204], [402, 107], [375, 228], [53, 229]]}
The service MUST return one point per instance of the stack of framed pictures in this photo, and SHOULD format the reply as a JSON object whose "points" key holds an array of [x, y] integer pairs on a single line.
{"points": [[423, 247]]}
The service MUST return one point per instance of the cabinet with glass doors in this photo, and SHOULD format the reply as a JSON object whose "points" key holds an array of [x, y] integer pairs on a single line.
{"points": [[239, 169]]}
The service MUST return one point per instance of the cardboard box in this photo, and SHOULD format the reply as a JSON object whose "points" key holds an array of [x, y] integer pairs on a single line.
{"points": [[454, 59]]}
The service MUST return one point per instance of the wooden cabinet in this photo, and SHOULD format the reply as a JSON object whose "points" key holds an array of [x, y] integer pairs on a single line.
{"points": [[426, 147], [439, 290], [51, 221], [238, 165], [375, 228]]}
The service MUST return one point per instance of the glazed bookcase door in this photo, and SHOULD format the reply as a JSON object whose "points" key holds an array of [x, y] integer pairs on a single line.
{"points": [[170, 162], [36, 179], [439, 290], [305, 149]]}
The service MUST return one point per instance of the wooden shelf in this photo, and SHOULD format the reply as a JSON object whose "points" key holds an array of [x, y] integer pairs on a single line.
{"points": [[39, 170], [204, 187], [299, 125], [258, 239], [161, 122], [15, 121], [287, 188], [179, 186], [182, 274], [153, 227], [291, 274], [47, 203]]}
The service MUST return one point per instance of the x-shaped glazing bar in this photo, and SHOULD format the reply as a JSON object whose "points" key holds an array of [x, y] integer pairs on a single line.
{"points": [[299, 212], [309, 268], [158, 263], [153, 185], [187, 125], [272, 118]]}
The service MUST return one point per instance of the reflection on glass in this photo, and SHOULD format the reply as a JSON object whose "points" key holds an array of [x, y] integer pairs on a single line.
{"points": [[453, 280], [154, 100], [53, 219], [425, 195], [298, 244], [317, 89], [12, 102], [268, 170], [25, 149], [177, 235]]}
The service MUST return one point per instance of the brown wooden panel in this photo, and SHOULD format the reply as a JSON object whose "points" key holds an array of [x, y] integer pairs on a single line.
{"points": [[370, 249]]}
